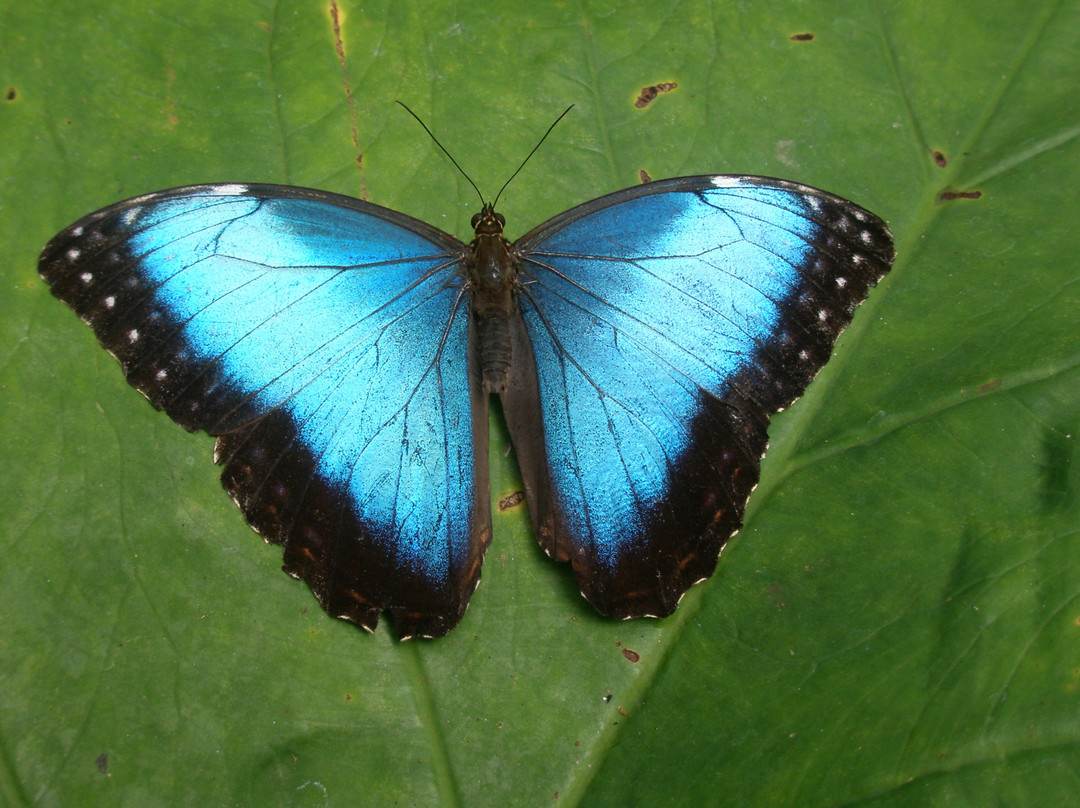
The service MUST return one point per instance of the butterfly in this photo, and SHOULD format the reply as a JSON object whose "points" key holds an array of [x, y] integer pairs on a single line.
{"points": [[343, 355]]}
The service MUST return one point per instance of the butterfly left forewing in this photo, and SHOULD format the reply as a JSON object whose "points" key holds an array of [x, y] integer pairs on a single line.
{"points": [[668, 322], [325, 342]]}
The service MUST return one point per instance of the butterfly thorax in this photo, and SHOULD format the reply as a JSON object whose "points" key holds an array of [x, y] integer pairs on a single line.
{"points": [[491, 271]]}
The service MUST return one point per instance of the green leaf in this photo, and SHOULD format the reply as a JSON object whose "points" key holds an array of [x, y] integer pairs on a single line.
{"points": [[897, 623]]}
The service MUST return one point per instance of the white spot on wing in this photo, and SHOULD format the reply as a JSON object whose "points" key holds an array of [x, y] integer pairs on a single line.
{"points": [[133, 335], [73, 254], [77, 231], [234, 189], [110, 301], [86, 277], [727, 181]]}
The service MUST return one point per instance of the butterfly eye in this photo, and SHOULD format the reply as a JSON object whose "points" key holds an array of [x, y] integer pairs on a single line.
{"points": [[500, 219], [476, 220]]}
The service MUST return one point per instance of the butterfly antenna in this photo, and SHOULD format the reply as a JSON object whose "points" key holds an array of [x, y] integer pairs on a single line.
{"points": [[444, 151], [537, 146]]}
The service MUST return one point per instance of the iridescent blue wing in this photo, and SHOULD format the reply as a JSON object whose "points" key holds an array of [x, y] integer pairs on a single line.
{"points": [[667, 323], [326, 342]]}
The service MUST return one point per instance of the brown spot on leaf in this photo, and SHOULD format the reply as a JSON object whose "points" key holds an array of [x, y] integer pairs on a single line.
{"points": [[350, 102], [986, 387], [776, 594], [948, 196], [805, 36], [649, 93], [170, 101], [643, 175], [633, 656], [940, 160], [511, 500], [103, 763], [10, 95]]}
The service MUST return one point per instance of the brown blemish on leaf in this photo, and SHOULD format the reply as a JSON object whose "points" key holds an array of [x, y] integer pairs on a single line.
{"points": [[643, 175], [339, 48], [633, 656], [10, 95], [170, 102], [103, 763], [805, 36], [940, 160], [511, 500], [776, 594], [649, 93], [986, 387], [948, 196]]}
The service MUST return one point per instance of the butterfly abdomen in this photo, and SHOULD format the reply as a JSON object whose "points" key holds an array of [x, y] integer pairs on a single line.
{"points": [[492, 274], [495, 352]]}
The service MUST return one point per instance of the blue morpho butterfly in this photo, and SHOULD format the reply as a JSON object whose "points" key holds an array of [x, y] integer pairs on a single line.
{"points": [[343, 354]]}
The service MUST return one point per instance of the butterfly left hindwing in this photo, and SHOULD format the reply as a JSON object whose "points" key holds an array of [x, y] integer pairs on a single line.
{"points": [[325, 341]]}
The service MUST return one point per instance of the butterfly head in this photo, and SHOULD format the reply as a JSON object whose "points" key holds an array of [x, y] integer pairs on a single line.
{"points": [[487, 222]]}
